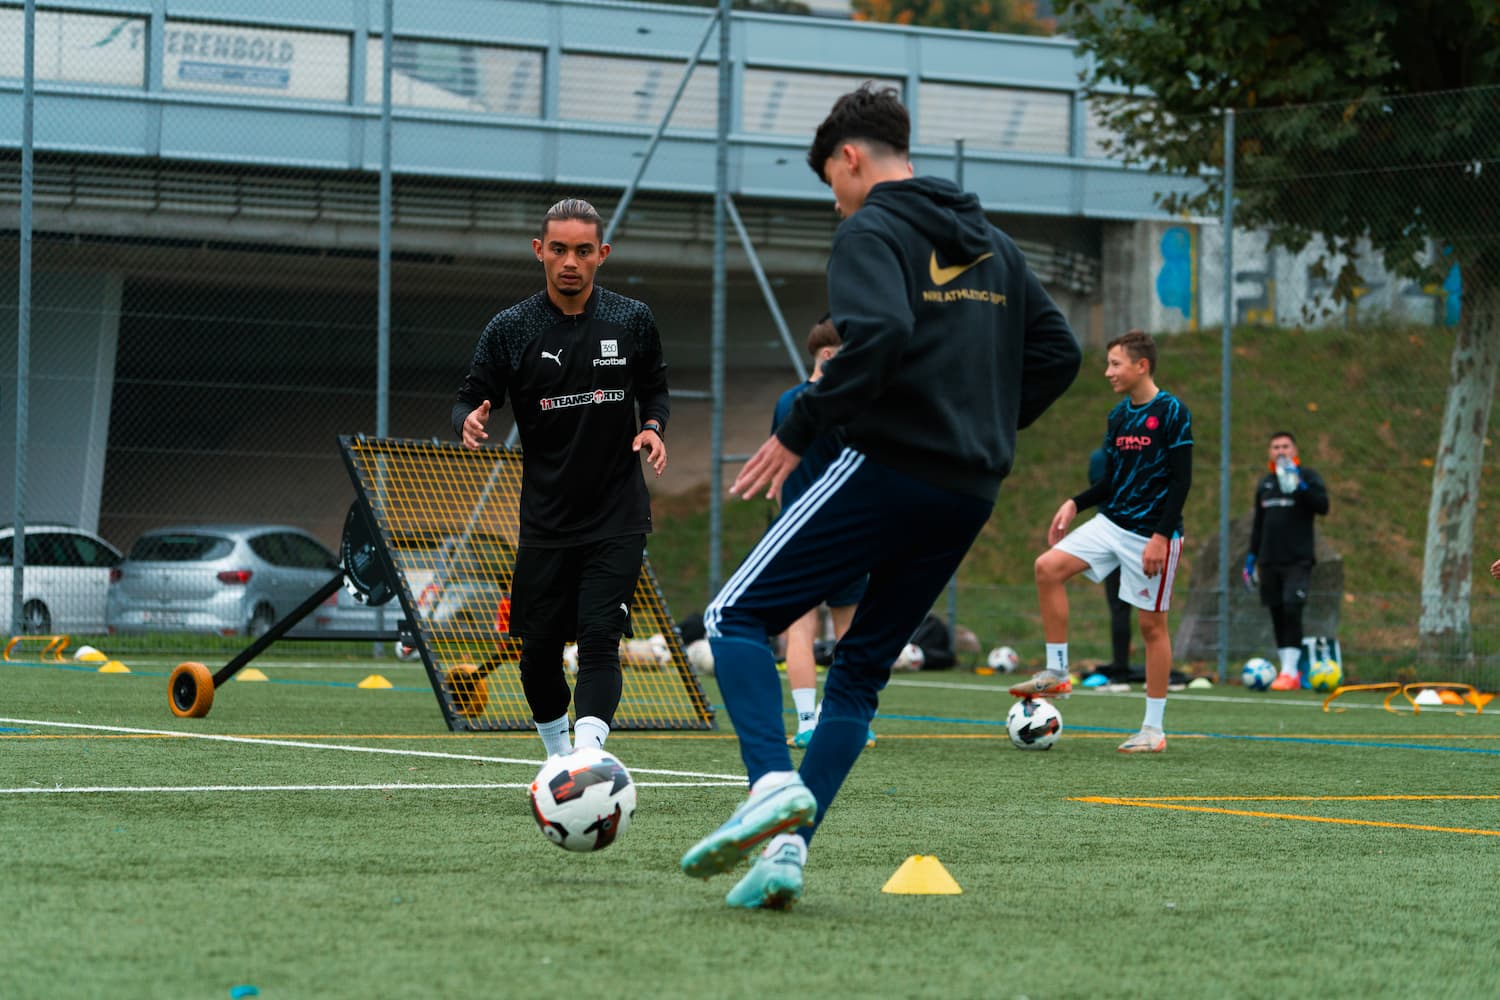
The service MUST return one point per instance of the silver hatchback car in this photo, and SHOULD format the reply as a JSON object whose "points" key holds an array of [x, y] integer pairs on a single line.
{"points": [[230, 579]]}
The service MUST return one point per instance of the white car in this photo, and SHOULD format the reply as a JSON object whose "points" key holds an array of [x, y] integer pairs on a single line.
{"points": [[66, 581]]}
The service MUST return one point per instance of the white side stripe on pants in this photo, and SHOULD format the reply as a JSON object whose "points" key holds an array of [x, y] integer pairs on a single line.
{"points": [[837, 473]]}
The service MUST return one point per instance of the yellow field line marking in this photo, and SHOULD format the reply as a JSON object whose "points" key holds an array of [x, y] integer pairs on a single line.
{"points": [[1148, 804]]}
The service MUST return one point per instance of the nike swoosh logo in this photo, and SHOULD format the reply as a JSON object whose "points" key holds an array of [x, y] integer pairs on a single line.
{"points": [[943, 275]]}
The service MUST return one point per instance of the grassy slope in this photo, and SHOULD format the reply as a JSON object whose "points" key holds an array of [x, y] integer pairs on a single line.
{"points": [[1366, 406]]}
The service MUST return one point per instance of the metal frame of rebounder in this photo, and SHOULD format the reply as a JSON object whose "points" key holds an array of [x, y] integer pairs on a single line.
{"points": [[371, 570], [461, 687], [190, 690]]}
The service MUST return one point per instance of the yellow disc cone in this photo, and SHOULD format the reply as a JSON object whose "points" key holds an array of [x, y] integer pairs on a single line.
{"points": [[114, 667], [922, 875], [375, 681], [251, 674]]}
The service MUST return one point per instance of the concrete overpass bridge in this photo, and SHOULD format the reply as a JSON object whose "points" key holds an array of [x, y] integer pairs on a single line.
{"points": [[207, 202]]}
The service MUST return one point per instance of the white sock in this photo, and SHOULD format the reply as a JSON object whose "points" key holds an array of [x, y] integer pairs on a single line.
{"points": [[771, 779], [787, 838], [1057, 658], [554, 736], [1155, 707], [1289, 657], [806, 700], [590, 731]]}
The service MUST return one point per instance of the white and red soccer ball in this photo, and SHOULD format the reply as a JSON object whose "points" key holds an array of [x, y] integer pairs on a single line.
{"points": [[582, 801], [1033, 724]]}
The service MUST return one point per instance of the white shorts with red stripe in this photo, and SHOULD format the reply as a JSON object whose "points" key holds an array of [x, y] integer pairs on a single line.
{"points": [[1106, 546]]}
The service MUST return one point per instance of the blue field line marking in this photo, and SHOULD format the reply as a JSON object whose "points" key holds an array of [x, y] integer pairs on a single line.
{"points": [[1315, 740], [8, 729]]}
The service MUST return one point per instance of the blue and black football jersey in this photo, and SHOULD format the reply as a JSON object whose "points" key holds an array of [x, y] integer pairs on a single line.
{"points": [[1136, 442], [818, 456]]}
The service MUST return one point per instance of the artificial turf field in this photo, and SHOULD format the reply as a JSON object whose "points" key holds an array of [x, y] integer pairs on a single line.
{"points": [[345, 845]]}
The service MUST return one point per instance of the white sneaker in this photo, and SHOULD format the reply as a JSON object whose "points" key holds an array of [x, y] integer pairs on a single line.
{"points": [[1148, 740]]}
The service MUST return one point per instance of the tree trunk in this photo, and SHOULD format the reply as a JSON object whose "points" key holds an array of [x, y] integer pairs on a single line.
{"points": [[1447, 569]]}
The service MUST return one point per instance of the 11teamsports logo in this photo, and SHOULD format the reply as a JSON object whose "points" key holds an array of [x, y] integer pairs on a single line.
{"points": [[583, 399]]}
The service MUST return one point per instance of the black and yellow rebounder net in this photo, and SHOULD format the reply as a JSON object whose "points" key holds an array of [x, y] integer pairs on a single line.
{"points": [[446, 518]]}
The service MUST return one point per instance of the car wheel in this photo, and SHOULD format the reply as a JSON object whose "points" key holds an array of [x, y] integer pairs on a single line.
{"points": [[261, 621], [35, 618]]}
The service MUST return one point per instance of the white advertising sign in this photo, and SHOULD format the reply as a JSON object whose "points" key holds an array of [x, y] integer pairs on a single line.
{"points": [[76, 48], [270, 62]]}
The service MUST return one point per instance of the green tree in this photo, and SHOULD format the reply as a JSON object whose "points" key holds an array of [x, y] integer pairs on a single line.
{"points": [[1366, 120], [1013, 17]]}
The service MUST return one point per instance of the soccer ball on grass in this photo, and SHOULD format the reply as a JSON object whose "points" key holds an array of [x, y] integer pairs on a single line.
{"points": [[911, 657], [1258, 673], [1325, 674], [1002, 659], [583, 801], [1033, 724]]}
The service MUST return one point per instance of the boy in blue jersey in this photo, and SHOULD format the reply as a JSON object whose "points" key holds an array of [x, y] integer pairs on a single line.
{"points": [[801, 666], [950, 346], [1148, 447]]}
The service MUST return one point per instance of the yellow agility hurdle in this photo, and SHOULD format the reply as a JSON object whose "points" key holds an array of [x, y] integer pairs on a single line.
{"points": [[52, 648], [1471, 696]]}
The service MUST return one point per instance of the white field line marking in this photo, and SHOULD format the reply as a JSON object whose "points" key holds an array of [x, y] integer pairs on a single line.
{"points": [[1184, 696], [126, 789], [348, 748]]}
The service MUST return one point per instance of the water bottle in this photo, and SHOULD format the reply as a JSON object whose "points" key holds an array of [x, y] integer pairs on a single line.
{"points": [[1286, 475]]}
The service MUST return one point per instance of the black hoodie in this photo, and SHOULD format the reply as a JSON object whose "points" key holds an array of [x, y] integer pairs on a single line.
{"points": [[950, 342]]}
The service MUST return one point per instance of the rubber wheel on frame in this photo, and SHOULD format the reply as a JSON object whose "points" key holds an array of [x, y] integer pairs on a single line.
{"points": [[190, 691]]}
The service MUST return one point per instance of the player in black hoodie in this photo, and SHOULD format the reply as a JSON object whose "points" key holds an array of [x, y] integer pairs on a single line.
{"points": [[950, 346]]}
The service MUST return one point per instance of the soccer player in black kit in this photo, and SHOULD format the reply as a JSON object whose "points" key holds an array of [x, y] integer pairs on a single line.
{"points": [[578, 364], [1148, 448], [1281, 548]]}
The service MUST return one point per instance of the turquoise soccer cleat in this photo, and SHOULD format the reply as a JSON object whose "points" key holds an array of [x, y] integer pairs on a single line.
{"points": [[774, 882], [758, 819]]}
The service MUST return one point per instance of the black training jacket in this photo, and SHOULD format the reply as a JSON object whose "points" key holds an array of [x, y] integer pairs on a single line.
{"points": [[950, 342], [575, 384], [1282, 532]]}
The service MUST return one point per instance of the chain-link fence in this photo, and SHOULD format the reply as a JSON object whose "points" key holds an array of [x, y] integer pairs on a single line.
{"points": [[1369, 228], [205, 285]]}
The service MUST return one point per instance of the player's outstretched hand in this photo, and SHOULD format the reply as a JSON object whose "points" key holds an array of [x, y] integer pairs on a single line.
{"points": [[769, 467], [1061, 520], [1495, 569], [474, 434], [656, 449]]}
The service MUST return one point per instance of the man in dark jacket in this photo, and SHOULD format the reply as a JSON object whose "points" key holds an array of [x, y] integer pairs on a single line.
{"points": [[1281, 555], [950, 346]]}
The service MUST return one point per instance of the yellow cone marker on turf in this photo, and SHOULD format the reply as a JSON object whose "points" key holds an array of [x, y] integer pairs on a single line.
{"points": [[88, 654], [375, 681], [922, 875], [251, 674], [114, 667]]}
